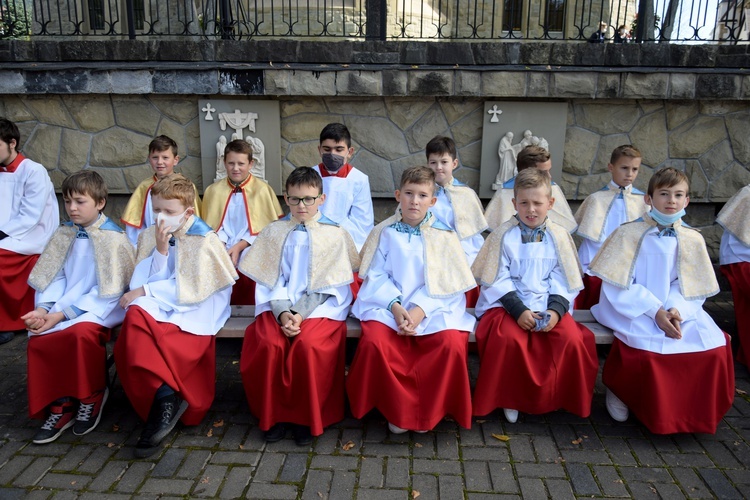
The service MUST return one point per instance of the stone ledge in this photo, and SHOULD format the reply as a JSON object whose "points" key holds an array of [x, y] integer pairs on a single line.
{"points": [[363, 80], [553, 53]]}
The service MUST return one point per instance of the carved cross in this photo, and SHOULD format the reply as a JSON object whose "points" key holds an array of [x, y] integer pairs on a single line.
{"points": [[208, 110], [494, 112]]}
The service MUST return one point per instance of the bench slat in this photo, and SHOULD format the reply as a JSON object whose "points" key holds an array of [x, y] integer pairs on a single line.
{"points": [[242, 316]]}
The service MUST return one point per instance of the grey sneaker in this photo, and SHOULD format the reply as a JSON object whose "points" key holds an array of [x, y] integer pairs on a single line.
{"points": [[90, 412]]}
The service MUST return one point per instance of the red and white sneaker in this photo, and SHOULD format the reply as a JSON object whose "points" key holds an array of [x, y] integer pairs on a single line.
{"points": [[59, 419], [90, 412]]}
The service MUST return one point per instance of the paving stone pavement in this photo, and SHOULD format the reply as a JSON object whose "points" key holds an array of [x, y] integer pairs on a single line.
{"points": [[549, 456]]}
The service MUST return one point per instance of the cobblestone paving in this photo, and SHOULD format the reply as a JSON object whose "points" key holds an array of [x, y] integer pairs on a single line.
{"points": [[551, 456]]}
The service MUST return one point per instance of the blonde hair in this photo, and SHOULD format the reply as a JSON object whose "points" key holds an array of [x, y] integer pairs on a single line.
{"points": [[418, 175], [625, 150], [175, 187], [532, 178], [86, 182]]}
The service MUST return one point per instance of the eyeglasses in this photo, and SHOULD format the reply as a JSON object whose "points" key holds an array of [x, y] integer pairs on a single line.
{"points": [[307, 200]]}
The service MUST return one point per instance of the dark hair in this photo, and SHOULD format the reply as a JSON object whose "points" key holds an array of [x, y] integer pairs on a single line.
{"points": [[418, 175], [175, 187], [624, 150], [666, 178], [337, 132], [162, 143], [9, 131], [304, 176], [531, 155], [241, 147], [86, 182], [440, 145]]}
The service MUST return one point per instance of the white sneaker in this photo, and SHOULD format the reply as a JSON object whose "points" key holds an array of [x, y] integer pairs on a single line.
{"points": [[510, 415], [396, 429], [616, 408]]}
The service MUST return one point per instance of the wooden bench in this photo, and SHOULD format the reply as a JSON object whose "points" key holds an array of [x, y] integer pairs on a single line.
{"points": [[242, 316]]}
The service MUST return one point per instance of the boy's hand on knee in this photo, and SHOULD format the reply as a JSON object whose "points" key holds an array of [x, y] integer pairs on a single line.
{"points": [[290, 323], [50, 320], [664, 320], [527, 320], [34, 319], [554, 319], [676, 319], [416, 314], [130, 296], [402, 317]]}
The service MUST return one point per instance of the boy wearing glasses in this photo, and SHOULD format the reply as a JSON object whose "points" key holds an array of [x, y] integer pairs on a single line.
{"points": [[292, 361], [238, 208]]}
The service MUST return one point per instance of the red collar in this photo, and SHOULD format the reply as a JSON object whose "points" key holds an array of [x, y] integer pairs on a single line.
{"points": [[14, 164], [343, 171]]}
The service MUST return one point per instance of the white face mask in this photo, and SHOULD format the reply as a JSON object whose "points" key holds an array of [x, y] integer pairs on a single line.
{"points": [[172, 221]]}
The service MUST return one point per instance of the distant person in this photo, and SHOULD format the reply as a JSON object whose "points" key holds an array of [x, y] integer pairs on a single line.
{"points": [[622, 35], [29, 215], [600, 35]]}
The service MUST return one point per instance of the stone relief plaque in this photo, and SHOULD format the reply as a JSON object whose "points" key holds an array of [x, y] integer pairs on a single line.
{"points": [[257, 122], [508, 127]]}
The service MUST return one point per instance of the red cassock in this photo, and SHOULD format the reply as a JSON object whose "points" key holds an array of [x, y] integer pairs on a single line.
{"points": [[471, 297], [534, 372], [16, 296], [413, 381], [66, 363], [243, 292], [298, 380], [589, 296], [669, 393], [149, 353], [738, 275]]}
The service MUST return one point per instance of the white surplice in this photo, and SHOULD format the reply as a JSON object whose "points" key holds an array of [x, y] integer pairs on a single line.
{"points": [[655, 284], [156, 274], [293, 283], [234, 228], [349, 204], [615, 218], [532, 270], [75, 285], [732, 250], [397, 270], [29, 213]]}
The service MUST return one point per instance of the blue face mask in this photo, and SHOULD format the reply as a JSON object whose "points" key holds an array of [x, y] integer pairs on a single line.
{"points": [[666, 220]]}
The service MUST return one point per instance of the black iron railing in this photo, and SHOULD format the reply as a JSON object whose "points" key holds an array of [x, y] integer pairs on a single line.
{"points": [[593, 20]]}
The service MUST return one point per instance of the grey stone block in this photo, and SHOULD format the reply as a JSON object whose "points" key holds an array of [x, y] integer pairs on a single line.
{"points": [[110, 473], [371, 473], [717, 86], [272, 491], [169, 463], [646, 474], [208, 483], [317, 485], [426, 485], [719, 484], [185, 82], [521, 449], [194, 463], [477, 476], [450, 54], [559, 488], [488, 53], [269, 467], [486, 454], [370, 494], [414, 53], [342, 486], [450, 487], [236, 482], [64, 481], [167, 486], [691, 483], [539, 470], [386, 449], [294, 468], [34, 472], [397, 473], [532, 488], [436, 466], [582, 479], [133, 477], [447, 445], [334, 463], [610, 481], [241, 82]]}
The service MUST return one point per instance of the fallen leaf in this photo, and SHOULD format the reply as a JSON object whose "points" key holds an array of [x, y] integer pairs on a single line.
{"points": [[618, 481], [73, 482], [204, 480], [740, 392], [235, 362], [414, 66], [584, 436], [577, 441], [320, 494], [115, 427], [417, 445], [242, 447], [344, 65], [348, 446], [480, 421], [210, 432], [110, 445], [415, 493], [501, 437], [219, 423]]}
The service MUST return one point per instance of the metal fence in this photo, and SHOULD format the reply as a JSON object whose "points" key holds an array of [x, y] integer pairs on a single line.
{"points": [[724, 21]]}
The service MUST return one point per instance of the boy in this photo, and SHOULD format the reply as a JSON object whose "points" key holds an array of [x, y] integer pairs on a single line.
{"points": [[178, 300], [77, 305], [411, 359], [500, 208], [28, 216], [670, 364], [533, 357], [346, 188], [604, 211], [238, 208], [137, 216], [292, 360], [457, 206], [734, 257]]}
